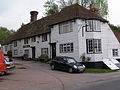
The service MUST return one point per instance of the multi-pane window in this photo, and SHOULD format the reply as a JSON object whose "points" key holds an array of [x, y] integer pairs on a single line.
{"points": [[15, 44], [115, 52], [15, 52], [93, 25], [33, 39], [66, 27], [66, 48], [94, 46], [26, 40], [44, 37], [6, 48], [26, 52], [44, 51]]}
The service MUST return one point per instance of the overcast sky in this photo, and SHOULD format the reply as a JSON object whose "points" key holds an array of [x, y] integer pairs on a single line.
{"points": [[15, 12]]}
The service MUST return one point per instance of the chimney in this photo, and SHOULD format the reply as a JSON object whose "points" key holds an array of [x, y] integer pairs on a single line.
{"points": [[93, 8], [33, 16]]}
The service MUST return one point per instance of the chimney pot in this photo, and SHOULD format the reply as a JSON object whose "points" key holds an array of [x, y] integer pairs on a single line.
{"points": [[33, 16]]}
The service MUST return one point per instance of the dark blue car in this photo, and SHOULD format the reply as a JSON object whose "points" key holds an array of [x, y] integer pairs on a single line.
{"points": [[67, 64]]}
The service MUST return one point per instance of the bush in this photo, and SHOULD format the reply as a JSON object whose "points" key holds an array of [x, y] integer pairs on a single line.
{"points": [[43, 58], [25, 57]]}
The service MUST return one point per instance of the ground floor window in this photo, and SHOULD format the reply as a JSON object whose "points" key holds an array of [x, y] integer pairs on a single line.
{"points": [[26, 52], [44, 51], [115, 52], [16, 52], [93, 46], [66, 48]]}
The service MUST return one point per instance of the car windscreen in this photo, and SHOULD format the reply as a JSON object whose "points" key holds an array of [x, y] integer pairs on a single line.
{"points": [[8, 59], [70, 60]]}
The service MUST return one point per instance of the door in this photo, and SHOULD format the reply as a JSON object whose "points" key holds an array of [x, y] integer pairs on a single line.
{"points": [[33, 52], [53, 45]]}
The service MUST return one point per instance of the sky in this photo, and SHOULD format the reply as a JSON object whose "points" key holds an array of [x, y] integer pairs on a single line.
{"points": [[15, 12]]}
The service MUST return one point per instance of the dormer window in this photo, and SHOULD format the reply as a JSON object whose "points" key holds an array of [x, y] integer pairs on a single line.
{"points": [[26, 41], [65, 27], [93, 26], [44, 37], [15, 44], [33, 39]]}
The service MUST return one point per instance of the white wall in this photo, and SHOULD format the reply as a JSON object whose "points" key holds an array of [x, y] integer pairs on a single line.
{"points": [[38, 45]]}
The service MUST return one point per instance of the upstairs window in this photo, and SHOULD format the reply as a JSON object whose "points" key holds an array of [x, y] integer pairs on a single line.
{"points": [[44, 37], [94, 46], [26, 41], [93, 25], [66, 27], [33, 39], [115, 52], [15, 44]]}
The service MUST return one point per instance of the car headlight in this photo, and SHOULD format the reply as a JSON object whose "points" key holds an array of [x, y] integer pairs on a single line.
{"points": [[75, 66], [84, 66]]}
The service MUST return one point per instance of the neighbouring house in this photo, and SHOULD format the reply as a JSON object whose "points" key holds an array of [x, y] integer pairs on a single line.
{"points": [[74, 31]]}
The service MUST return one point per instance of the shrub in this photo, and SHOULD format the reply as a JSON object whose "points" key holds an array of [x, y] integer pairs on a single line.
{"points": [[43, 58]]}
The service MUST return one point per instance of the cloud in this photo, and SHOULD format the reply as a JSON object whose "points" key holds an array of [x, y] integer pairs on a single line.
{"points": [[19, 12]]}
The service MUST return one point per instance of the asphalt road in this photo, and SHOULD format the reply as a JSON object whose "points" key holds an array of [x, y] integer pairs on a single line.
{"points": [[108, 85]]}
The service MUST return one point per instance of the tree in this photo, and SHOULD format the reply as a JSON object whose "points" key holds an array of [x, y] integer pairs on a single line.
{"points": [[4, 33], [53, 6]]}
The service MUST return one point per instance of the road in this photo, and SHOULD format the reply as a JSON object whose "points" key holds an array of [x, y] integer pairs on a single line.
{"points": [[109, 85], [32, 75]]}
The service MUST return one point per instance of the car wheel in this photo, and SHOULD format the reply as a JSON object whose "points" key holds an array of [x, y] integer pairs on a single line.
{"points": [[70, 70], [53, 67]]}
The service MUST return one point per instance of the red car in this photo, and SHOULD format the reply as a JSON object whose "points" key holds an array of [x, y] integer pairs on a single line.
{"points": [[2, 63]]}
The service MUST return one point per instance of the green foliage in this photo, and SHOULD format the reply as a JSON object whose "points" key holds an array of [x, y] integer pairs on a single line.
{"points": [[4, 33], [113, 27], [54, 6], [84, 58], [43, 58]]}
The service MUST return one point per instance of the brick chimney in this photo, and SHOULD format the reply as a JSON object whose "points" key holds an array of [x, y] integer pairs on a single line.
{"points": [[33, 16], [93, 8]]}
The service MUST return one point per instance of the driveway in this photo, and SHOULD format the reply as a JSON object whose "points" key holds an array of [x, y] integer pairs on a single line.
{"points": [[32, 75]]}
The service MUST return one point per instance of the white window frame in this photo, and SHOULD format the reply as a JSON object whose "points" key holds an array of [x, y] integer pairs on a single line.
{"points": [[15, 43], [66, 48], [26, 51], [15, 52], [33, 39], [94, 46], [66, 27], [26, 41], [44, 51], [44, 37], [93, 26], [115, 52]]}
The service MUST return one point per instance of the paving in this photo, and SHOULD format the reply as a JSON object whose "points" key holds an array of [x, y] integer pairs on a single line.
{"points": [[32, 75]]}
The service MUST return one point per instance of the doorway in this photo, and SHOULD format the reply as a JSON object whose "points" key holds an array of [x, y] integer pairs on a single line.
{"points": [[53, 46], [33, 52]]}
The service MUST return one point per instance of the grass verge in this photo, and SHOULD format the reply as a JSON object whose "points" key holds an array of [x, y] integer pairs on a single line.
{"points": [[91, 70]]}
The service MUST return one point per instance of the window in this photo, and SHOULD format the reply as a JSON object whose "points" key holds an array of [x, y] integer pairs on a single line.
{"points": [[44, 51], [15, 52], [44, 37], [10, 47], [6, 48], [15, 44], [115, 52], [93, 25], [26, 52], [33, 39], [66, 48], [94, 46], [26, 41], [65, 27]]}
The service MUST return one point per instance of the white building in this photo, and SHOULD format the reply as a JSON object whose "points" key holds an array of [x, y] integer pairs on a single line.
{"points": [[74, 31]]}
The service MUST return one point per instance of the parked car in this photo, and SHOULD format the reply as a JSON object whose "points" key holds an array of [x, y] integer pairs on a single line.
{"points": [[67, 64], [2, 63], [9, 64]]}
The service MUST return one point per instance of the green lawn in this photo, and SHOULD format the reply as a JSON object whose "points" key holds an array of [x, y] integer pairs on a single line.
{"points": [[91, 70]]}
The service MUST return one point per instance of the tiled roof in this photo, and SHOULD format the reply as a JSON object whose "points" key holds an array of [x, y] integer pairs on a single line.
{"points": [[43, 25], [117, 34]]}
